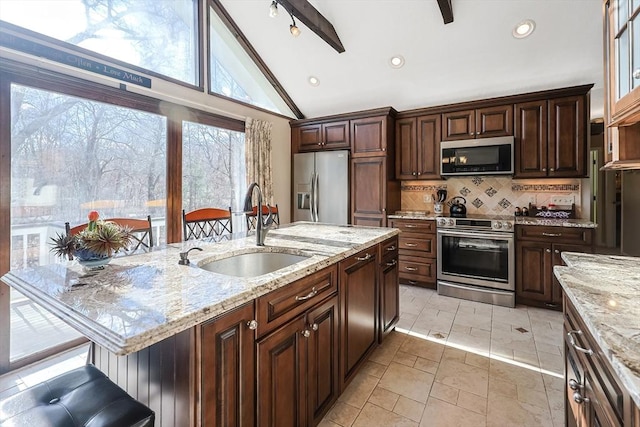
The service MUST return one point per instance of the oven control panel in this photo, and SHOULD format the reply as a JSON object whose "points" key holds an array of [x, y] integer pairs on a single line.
{"points": [[489, 224]]}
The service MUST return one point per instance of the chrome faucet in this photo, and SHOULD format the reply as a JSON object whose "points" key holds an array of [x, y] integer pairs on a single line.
{"points": [[184, 256], [262, 224]]}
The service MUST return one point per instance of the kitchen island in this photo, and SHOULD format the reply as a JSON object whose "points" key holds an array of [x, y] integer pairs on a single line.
{"points": [[195, 345], [602, 302]]}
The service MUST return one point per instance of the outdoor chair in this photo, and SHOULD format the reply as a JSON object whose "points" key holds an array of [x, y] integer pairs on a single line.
{"points": [[252, 217], [206, 222]]}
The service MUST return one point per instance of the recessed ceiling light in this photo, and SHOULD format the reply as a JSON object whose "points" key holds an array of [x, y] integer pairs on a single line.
{"points": [[396, 61], [314, 81], [524, 29]]}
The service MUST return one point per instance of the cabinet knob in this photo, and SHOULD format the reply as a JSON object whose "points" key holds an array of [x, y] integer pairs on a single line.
{"points": [[574, 385], [555, 251], [384, 149], [471, 133], [320, 144], [305, 333], [419, 173], [413, 173], [548, 251], [252, 324], [551, 170], [636, 73], [314, 326], [578, 398], [544, 169]]}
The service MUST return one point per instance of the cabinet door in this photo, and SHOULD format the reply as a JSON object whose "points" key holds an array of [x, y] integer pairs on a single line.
{"points": [[358, 309], [368, 189], [281, 384], [336, 135], [323, 377], [494, 121], [308, 137], [406, 149], [531, 140], [228, 369], [533, 271], [369, 136], [458, 125], [428, 146], [389, 295], [567, 156]]}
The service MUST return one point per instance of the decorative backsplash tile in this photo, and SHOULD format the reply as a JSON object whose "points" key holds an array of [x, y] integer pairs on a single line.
{"points": [[488, 195]]}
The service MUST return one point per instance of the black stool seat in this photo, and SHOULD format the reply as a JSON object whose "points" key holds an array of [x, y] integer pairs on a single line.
{"points": [[82, 397]]}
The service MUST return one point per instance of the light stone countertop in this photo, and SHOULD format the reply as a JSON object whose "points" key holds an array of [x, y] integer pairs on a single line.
{"points": [[425, 215], [605, 290], [554, 222], [139, 300]]}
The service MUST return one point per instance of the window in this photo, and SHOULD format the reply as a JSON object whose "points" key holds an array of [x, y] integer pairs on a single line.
{"points": [[160, 36], [69, 156], [213, 169], [234, 74]]}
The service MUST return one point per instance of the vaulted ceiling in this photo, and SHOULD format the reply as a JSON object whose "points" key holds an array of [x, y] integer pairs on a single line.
{"points": [[473, 57]]}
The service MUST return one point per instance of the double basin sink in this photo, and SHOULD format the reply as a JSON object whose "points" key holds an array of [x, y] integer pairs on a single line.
{"points": [[254, 264]]}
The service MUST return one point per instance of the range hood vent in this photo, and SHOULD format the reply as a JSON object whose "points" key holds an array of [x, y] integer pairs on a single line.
{"points": [[620, 165]]}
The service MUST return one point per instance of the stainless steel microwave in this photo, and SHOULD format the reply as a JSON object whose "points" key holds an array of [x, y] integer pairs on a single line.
{"points": [[484, 156]]}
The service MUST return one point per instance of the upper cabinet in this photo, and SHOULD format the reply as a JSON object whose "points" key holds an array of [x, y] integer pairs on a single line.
{"points": [[622, 78], [418, 147], [321, 136], [479, 123], [369, 136], [551, 137]]}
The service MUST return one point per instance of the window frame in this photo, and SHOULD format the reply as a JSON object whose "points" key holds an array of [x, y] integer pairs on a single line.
{"points": [[15, 72]]}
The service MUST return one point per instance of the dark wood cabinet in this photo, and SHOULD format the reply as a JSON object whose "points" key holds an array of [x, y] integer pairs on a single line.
{"points": [[358, 291], [551, 139], [478, 123], [389, 308], [322, 136], [418, 147], [417, 251], [538, 250], [595, 395], [369, 136], [228, 369]]}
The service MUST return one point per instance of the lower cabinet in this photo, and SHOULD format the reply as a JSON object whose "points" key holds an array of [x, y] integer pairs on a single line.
{"points": [[417, 251], [228, 369], [358, 290], [538, 250], [297, 369], [389, 287]]}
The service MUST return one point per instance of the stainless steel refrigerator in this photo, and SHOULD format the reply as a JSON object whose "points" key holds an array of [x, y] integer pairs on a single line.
{"points": [[321, 187]]}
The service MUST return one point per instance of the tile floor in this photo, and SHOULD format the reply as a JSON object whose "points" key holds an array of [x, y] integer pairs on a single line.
{"points": [[449, 363], [453, 362]]}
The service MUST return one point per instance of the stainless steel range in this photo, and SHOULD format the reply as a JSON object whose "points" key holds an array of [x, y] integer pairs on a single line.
{"points": [[476, 259]]}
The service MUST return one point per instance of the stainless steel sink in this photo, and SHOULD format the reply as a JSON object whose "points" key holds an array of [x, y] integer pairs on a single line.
{"points": [[253, 264]]}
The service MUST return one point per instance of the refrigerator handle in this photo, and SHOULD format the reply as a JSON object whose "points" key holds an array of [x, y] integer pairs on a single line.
{"points": [[316, 199], [312, 202]]}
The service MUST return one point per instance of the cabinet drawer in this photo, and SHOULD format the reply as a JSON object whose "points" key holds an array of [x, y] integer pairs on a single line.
{"points": [[388, 249], [282, 305], [575, 235], [423, 245], [422, 271], [415, 225]]}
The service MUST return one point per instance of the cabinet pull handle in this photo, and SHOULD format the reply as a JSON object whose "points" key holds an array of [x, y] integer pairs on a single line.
{"points": [[411, 245], [252, 324], [311, 294], [410, 226], [411, 268], [572, 341], [391, 248], [392, 262], [305, 333], [364, 258], [552, 234], [314, 326]]}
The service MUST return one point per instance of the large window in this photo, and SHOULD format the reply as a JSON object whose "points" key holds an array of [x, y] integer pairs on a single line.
{"points": [[70, 156], [160, 36], [213, 169]]}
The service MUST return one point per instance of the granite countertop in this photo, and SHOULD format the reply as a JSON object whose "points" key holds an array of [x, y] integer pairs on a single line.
{"points": [[605, 290], [426, 215], [139, 300], [555, 222]]}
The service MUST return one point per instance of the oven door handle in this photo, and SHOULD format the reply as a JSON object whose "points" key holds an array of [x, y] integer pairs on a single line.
{"points": [[473, 234]]}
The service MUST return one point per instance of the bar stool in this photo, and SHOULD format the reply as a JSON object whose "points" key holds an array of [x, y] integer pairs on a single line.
{"points": [[81, 397]]}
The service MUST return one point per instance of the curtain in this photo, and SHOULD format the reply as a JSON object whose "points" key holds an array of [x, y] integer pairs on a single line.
{"points": [[258, 156]]}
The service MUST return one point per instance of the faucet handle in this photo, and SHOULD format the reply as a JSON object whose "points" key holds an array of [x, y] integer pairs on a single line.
{"points": [[269, 219], [184, 256]]}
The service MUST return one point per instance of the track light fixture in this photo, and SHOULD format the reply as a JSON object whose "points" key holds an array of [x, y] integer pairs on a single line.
{"points": [[273, 9], [295, 31], [273, 12]]}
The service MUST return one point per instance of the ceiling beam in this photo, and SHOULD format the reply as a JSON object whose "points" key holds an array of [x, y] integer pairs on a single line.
{"points": [[309, 16], [446, 10]]}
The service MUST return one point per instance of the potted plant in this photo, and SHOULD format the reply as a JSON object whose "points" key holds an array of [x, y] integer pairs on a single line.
{"points": [[95, 245]]}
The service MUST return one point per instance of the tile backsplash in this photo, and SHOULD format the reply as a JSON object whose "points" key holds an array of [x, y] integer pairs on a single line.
{"points": [[490, 195]]}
